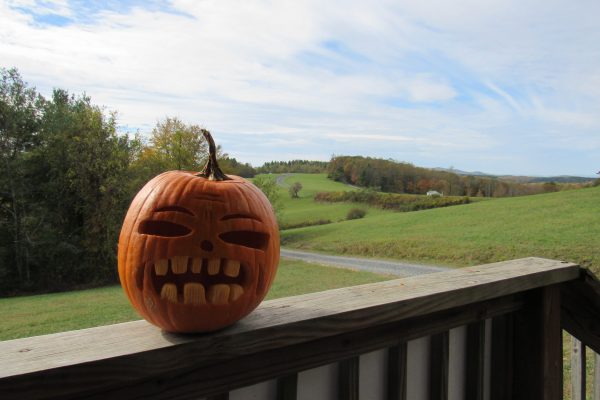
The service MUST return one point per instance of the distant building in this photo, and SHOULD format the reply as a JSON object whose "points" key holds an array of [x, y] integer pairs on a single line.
{"points": [[434, 193]]}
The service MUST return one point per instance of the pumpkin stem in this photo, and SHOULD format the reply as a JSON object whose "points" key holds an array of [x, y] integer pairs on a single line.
{"points": [[211, 170]]}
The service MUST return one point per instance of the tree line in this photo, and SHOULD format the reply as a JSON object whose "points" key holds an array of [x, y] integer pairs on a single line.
{"points": [[293, 166], [398, 177]]}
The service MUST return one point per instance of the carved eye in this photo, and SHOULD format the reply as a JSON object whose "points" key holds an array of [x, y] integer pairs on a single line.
{"points": [[163, 228], [255, 240]]}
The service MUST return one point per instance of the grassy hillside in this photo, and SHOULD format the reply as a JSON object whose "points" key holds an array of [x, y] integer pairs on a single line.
{"points": [[48, 313], [562, 225], [306, 209]]}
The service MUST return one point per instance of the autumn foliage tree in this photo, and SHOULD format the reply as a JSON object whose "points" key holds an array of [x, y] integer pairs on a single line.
{"points": [[177, 145]]}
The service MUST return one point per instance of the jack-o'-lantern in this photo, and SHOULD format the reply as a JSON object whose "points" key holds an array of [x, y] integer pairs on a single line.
{"points": [[198, 251]]}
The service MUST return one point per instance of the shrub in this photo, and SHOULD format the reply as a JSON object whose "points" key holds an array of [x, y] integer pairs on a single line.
{"points": [[391, 201], [356, 213]]}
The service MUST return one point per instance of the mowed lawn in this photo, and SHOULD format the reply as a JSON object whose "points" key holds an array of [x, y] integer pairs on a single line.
{"points": [[305, 209], [563, 225], [49, 313]]}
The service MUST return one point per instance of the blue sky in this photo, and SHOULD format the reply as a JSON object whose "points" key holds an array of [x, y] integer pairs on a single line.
{"points": [[495, 86]]}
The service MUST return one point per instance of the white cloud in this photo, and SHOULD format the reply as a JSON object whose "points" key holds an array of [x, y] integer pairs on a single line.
{"points": [[463, 77], [426, 90]]}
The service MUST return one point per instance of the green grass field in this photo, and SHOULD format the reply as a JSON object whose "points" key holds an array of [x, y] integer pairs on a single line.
{"points": [[306, 209], [49, 313], [562, 225]]}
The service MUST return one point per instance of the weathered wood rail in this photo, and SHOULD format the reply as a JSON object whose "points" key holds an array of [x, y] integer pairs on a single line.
{"points": [[486, 332]]}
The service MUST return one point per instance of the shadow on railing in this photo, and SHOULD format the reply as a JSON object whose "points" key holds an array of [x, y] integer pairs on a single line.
{"points": [[486, 332]]}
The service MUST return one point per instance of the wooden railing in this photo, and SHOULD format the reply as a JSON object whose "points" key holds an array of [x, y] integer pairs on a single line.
{"points": [[581, 317], [486, 332]]}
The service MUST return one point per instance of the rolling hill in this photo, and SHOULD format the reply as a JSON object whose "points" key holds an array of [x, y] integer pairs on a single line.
{"points": [[305, 210], [562, 225]]}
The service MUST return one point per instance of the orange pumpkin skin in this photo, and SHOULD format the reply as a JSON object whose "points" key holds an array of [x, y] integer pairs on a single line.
{"points": [[186, 222]]}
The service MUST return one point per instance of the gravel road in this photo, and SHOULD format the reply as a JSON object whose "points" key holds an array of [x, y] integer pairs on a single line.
{"points": [[281, 178], [364, 264]]}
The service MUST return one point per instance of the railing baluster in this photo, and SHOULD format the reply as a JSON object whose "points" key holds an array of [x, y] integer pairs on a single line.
{"points": [[348, 379], [287, 387], [439, 356], [501, 384], [222, 396], [577, 370], [397, 363], [475, 361]]}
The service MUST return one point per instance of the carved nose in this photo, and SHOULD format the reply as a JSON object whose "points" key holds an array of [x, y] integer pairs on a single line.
{"points": [[206, 245]]}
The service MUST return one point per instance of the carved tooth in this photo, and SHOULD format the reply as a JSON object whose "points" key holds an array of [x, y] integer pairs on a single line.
{"points": [[214, 265], [232, 268], [197, 265], [235, 292], [193, 293], [218, 294], [169, 292], [179, 264], [161, 267]]}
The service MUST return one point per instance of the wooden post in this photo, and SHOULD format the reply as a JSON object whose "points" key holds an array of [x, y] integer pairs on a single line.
{"points": [[538, 347], [577, 369]]}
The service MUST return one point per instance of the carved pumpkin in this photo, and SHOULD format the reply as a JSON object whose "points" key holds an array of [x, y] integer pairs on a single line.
{"points": [[198, 251]]}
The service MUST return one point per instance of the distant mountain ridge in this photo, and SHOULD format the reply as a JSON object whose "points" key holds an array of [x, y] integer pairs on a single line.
{"points": [[520, 178], [461, 172]]}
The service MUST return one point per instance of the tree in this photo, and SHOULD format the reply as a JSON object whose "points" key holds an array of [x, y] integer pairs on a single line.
{"points": [[178, 146], [82, 192], [20, 107], [231, 166], [172, 145], [268, 185], [294, 189]]}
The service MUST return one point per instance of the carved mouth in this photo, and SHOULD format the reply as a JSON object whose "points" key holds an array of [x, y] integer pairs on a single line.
{"points": [[199, 281]]}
